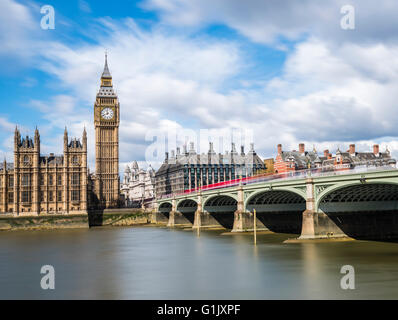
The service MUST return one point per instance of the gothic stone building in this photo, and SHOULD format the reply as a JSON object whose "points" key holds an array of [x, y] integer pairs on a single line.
{"points": [[36, 183], [190, 170]]}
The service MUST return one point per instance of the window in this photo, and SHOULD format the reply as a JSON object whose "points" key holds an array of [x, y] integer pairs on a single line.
{"points": [[11, 181], [75, 179], [41, 197], [10, 197], [75, 195], [26, 160], [50, 179], [25, 180], [42, 180], [59, 196], [25, 196], [50, 196], [59, 180], [75, 160]]}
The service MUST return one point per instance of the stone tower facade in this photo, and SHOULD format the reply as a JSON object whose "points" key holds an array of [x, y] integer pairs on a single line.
{"points": [[106, 123]]}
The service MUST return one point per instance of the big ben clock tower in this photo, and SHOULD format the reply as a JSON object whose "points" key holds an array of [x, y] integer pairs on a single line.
{"points": [[106, 123]]}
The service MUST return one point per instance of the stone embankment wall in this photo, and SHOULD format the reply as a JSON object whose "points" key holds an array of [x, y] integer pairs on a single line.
{"points": [[119, 217], [109, 217], [43, 222]]}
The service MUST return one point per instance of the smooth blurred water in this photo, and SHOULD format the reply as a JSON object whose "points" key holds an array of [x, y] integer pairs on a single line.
{"points": [[159, 263]]}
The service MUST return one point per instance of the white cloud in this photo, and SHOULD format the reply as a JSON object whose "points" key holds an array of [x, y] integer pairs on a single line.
{"points": [[16, 28], [327, 94], [158, 76], [268, 21]]}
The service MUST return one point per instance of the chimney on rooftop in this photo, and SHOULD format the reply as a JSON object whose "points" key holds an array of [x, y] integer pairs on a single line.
{"points": [[326, 153], [352, 149], [376, 149], [329, 156], [301, 148], [279, 148]]}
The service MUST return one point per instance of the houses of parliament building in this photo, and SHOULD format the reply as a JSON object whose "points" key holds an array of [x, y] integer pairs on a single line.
{"points": [[37, 184]]}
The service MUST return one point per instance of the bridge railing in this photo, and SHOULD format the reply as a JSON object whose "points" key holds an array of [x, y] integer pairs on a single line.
{"points": [[293, 175]]}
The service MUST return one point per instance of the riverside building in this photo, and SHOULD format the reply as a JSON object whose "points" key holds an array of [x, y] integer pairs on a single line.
{"points": [[188, 170]]}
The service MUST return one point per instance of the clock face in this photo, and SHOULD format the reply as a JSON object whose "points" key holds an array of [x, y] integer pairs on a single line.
{"points": [[107, 113]]}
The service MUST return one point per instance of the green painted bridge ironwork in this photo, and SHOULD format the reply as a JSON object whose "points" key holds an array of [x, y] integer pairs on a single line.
{"points": [[358, 204]]}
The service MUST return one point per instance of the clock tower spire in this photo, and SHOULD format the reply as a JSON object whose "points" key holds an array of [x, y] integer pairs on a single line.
{"points": [[106, 123]]}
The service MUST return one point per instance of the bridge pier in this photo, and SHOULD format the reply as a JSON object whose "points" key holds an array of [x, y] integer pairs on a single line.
{"points": [[171, 221], [315, 224], [244, 221], [197, 222], [160, 217], [204, 219], [177, 218]]}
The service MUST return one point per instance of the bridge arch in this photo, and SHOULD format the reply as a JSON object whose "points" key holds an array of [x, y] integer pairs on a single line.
{"points": [[222, 209], [186, 203], [367, 210], [185, 211], [278, 210], [220, 200], [165, 207], [357, 188], [292, 193]]}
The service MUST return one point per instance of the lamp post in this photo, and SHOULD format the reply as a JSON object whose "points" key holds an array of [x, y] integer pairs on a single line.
{"points": [[309, 167]]}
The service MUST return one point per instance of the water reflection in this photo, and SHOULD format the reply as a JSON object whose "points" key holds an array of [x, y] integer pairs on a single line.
{"points": [[161, 263]]}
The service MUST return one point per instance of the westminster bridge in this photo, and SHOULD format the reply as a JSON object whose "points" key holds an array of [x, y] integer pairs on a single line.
{"points": [[362, 204]]}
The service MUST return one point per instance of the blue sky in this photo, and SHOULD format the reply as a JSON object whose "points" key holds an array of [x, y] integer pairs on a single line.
{"points": [[284, 70]]}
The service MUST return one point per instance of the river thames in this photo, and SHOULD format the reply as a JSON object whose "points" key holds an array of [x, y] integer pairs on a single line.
{"points": [[160, 263]]}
